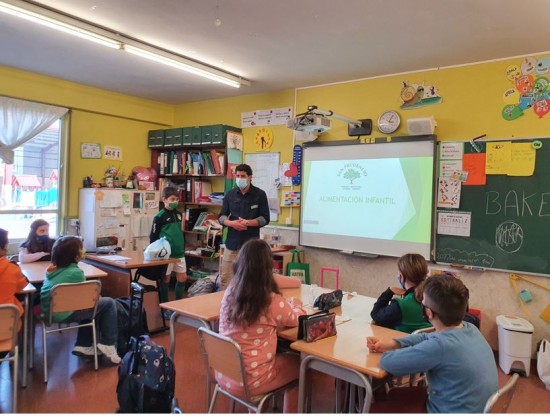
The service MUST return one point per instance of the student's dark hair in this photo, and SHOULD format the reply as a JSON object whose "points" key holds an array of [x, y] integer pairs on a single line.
{"points": [[169, 192], [3, 238], [66, 251], [449, 298], [245, 168], [252, 284], [32, 244]]}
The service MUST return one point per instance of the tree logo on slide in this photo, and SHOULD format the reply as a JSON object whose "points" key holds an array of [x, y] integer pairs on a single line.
{"points": [[351, 172]]}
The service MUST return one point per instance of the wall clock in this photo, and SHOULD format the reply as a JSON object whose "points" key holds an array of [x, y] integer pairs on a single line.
{"points": [[263, 139], [389, 121]]}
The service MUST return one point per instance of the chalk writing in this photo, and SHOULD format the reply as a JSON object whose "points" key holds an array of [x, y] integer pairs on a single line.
{"points": [[517, 203], [509, 236], [464, 257]]}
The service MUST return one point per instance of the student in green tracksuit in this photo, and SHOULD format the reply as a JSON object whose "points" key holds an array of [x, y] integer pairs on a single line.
{"points": [[167, 224], [404, 312]]}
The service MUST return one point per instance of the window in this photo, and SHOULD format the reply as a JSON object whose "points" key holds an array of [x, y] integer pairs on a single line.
{"points": [[29, 188]]}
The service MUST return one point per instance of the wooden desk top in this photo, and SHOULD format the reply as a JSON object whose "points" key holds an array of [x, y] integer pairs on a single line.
{"points": [[29, 289], [204, 307], [36, 271], [349, 347], [135, 260], [207, 307]]}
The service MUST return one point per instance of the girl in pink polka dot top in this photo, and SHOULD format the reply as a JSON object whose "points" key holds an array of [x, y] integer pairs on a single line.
{"points": [[251, 312]]}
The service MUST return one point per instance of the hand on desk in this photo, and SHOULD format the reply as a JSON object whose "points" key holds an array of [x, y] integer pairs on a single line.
{"points": [[378, 346]]}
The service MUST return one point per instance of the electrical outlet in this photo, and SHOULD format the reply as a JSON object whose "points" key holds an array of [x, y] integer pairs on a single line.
{"points": [[73, 222], [288, 220]]}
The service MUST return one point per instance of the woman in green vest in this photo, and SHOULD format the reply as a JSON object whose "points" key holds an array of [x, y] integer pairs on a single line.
{"points": [[397, 307]]}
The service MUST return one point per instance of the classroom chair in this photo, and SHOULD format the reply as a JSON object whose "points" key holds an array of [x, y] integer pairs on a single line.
{"points": [[223, 354], [151, 298], [71, 297], [500, 400], [9, 325]]}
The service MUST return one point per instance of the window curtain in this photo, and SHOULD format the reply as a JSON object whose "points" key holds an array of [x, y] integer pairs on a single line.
{"points": [[21, 120]]}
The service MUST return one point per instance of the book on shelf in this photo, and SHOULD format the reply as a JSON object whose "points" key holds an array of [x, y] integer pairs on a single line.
{"points": [[204, 220]]}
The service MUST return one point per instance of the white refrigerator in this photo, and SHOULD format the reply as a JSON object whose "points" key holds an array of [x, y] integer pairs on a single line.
{"points": [[112, 218]]}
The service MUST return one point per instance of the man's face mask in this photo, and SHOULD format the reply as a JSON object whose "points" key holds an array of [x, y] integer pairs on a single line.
{"points": [[241, 183]]}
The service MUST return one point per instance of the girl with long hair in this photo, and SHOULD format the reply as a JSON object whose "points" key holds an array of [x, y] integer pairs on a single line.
{"points": [[251, 312]]}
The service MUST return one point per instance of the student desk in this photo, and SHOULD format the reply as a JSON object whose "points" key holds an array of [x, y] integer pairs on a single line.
{"points": [[36, 271], [120, 271], [27, 330]]}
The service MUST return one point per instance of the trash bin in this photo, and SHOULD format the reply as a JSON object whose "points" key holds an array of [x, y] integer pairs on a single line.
{"points": [[514, 343]]}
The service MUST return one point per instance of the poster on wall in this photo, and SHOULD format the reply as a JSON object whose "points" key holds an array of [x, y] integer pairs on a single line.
{"points": [[90, 150], [529, 90], [112, 152], [269, 117], [418, 95]]}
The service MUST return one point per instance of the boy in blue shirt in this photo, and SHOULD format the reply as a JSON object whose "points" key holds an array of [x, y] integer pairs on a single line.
{"points": [[459, 364], [167, 224]]}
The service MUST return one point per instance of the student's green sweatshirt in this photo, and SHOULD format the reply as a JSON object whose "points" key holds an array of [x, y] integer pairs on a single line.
{"points": [[71, 274]]}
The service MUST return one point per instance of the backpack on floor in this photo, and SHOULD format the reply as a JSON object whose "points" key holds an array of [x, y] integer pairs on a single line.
{"points": [[131, 317], [146, 379]]}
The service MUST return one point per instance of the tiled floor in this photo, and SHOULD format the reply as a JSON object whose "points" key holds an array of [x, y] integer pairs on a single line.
{"points": [[74, 386]]}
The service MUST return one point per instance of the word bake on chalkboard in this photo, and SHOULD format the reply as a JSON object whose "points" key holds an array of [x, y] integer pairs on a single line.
{"points": [[509, 216]]}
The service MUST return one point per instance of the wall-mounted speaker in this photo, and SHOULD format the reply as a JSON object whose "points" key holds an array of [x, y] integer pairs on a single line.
{"points": [[421, 126]]}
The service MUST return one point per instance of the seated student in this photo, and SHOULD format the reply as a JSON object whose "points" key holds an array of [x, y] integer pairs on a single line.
{"points": [[38, 245], [458, 361], [251, 312], [66, 253], [12, 279], [403, 313]]}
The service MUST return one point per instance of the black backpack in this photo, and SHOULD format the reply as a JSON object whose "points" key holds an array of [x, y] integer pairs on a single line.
{"points": [[146, 379], [131, 317]]}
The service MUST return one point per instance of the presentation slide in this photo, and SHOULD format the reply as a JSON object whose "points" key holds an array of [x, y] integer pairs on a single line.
{"points": [[380, 205]]}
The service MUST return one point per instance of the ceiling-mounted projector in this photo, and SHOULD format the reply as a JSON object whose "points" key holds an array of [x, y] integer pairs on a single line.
{"points": [[309, 123]]}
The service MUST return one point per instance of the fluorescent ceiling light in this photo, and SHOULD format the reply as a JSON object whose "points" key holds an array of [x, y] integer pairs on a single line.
{"points": [[187, 65], [58, 25], [112, 39]]}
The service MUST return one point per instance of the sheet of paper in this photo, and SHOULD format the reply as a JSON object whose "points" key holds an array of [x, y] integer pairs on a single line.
{"points": [[499, 156], [111, 200], [447, 167], [454, 223], [523, 157], [115, 258], [341, 319], [448, 193], [451, 150], [474, 164]]}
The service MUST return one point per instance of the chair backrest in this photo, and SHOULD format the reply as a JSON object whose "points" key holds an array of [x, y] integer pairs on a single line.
{"points": [[223, 354], [500, 400], [73, 297], [9, 325]]}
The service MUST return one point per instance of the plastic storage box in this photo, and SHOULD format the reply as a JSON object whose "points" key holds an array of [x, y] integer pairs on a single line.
{"points": [[514, 343]]}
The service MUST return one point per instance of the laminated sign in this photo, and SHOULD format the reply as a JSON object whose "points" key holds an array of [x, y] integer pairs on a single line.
{"points": [[298, 269]]}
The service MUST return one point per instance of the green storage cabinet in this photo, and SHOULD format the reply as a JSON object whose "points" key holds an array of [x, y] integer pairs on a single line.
{"points": [[196, 135], [173, 137], [206, 135], [219, 133], [187, 136], [155, 138]]}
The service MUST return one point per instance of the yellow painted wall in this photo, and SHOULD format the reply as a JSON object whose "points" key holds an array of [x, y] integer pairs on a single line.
{"points": [[97, 116], [471, 106]]}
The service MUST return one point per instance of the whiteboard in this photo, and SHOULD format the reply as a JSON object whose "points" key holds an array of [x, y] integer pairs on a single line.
{"points": [[265, 172]]}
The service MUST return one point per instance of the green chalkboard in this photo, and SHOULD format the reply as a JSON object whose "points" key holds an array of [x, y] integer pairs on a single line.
{"points": [[510, 220]]}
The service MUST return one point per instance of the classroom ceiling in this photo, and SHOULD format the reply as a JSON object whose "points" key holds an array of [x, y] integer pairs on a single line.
{"points": [[274, 44]]}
